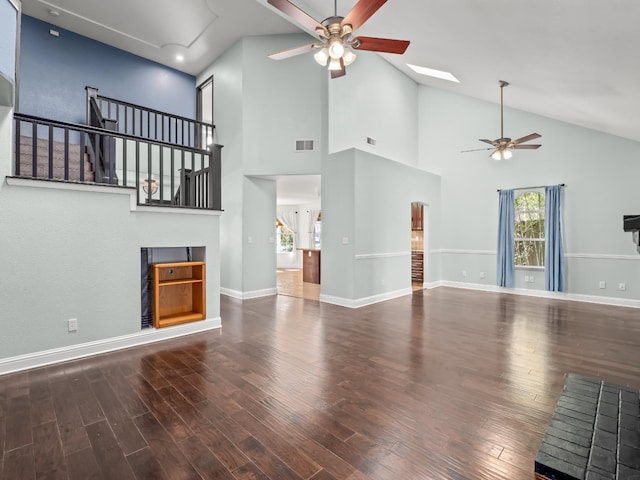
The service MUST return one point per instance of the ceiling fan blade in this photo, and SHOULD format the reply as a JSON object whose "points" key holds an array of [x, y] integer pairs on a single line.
{"points": [[476, 150], [339, 73], [292, 52], [490, 142], [386, 45], [361, 12], [296, 14], [526, 139], [491, 154], [525, 147]]}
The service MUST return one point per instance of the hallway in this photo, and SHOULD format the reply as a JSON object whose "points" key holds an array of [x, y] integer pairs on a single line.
{"points": [[289, 282]]}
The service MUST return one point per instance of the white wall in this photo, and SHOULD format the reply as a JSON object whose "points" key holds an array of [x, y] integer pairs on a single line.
{"points": [[283, 101], [259, 246], [228, 117], [261, 107], [600, 172], [8, 29], [374, 100], [367, 199], [77, 255]]}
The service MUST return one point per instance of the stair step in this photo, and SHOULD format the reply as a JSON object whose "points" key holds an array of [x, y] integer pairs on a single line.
{"points": [[42, 159], [26, 143]]}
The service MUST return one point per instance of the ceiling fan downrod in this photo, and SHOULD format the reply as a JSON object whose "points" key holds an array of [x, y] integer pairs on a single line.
{"points": [[502, 85]]}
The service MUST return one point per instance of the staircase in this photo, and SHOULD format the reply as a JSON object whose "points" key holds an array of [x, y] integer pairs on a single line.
{"points": [[57, 161]]}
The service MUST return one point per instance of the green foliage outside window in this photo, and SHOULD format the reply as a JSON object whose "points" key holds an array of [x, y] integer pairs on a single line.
{"points": [[284, 239], [529, 234]]}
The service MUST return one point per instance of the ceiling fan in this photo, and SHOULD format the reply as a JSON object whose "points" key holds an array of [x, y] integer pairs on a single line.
{"points": [[502, 146], [336, 43]]}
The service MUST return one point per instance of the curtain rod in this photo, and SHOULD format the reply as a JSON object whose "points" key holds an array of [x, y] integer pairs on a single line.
{"points": [[527, 188]]}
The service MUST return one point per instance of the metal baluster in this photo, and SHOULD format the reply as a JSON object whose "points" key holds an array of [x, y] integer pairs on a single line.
{"points": [[34, 151], [149, 183], [173, 172], [124, 162], [66, 153], [138, 171], [18, 153], [183, 195], [50, 159], [82, 152], [161, 179]]}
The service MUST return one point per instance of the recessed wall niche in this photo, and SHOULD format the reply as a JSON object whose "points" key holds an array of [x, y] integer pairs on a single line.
{"points": [[153, 255]]}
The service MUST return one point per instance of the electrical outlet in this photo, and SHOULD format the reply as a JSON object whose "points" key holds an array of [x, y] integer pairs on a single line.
{"points": [[72, 324], [481, 274], [464, 273], [345, 240], [622, 286], [532, 279], [249, 239], [526, 278], [271, 240], [603, 284]]}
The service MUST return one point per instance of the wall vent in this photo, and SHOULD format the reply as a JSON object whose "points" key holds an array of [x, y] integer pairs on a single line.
{"points": [[371, 141], [304, 145]]}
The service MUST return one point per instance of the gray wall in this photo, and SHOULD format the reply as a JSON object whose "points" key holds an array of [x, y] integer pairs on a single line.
{"points": [[374, 100], [367, 199], [263, 106], [600, 172], [73, 254], [8, 40]]}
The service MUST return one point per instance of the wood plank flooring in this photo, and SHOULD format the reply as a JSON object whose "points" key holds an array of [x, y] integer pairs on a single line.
{"points": [[444, 384], [289, 282]]}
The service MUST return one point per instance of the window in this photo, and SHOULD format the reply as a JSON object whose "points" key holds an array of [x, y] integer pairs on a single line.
{"points": [[284, 239], [317, 232], [529, 229]]}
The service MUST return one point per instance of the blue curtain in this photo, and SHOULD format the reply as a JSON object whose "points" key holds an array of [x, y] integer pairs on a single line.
{"points": [[506, 234], [553, 250]]}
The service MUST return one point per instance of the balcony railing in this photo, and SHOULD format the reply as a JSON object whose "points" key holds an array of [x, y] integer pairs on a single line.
{"points": [[163, 174], [152, 124]]}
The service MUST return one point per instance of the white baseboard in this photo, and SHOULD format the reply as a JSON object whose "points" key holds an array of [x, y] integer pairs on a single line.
{"points": [[436, 284], [248, 295], [72, 352], [574, 297], [361, 302]]}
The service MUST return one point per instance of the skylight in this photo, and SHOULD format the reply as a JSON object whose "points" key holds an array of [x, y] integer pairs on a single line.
{"points": [[433, 73]]}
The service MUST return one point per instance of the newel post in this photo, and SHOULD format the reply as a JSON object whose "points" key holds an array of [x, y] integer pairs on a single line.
{"points": [[92, 92]]}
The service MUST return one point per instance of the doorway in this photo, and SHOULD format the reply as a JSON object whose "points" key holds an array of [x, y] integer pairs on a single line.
{"points": [[204, 113], [417, 245], [298, 235]]}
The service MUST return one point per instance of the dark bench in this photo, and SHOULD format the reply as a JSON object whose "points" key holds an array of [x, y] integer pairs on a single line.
{"points": [[594, 433]]}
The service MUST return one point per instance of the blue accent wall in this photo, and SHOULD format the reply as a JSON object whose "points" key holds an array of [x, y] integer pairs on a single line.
{"points": [[55, 70]]}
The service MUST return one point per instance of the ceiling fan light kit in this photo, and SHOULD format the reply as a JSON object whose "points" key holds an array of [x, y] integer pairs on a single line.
{"points": [[336, 47], [502, 154], [502, 146]]}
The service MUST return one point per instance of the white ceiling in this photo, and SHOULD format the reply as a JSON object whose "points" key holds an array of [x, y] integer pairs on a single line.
{"points": [[572, 60]]}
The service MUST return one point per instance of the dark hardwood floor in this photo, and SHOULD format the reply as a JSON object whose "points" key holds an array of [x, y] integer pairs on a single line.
{"points": [[444, 384]]}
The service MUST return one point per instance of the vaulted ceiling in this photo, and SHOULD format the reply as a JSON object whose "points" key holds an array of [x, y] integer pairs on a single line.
{"points": [[571, 60]]}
